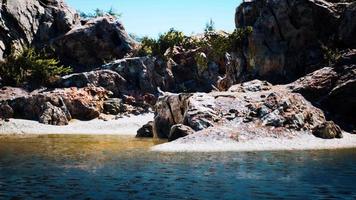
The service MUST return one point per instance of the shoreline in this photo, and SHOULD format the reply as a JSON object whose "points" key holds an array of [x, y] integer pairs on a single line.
{"points": [[126, 126], [299, 143]]}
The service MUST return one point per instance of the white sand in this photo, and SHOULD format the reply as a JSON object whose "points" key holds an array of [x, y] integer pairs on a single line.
{"points": [[123, 126], [304, 142]]}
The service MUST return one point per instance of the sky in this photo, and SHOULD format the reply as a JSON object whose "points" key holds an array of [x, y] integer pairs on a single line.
{"points": [[152, 17]]}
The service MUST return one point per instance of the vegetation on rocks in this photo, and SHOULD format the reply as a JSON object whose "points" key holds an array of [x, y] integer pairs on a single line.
{"points": [[216, 43], [32, 67], [100, 13]]}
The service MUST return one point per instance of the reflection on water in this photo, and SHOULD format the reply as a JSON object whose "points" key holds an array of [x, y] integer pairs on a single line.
{"points": [[116, 167]]}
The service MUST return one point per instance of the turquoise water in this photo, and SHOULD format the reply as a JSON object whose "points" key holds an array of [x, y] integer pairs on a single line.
{"points": [[112, 167]]}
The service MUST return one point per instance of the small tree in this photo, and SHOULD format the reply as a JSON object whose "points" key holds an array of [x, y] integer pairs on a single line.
{"points": [[100, 13], [209, 26]]}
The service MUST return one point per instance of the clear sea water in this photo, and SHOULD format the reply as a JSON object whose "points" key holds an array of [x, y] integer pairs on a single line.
{"points": [[114, 167]]}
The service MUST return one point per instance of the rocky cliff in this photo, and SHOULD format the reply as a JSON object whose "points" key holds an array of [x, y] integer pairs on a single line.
{"points": [[290, 37], [41, 23]]}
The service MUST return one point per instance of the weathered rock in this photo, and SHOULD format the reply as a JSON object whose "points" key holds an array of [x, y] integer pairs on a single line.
{"points": [[143, 74], [84, 104], [328, 130], [33, 22], [333, 88], [106, 34], [146, 130], [252, 109], [178, 131], [12, 93], [110, 80], [168, 112], [287, 35], [53, 115], [347, 28], [113, 106], [6, 111]]}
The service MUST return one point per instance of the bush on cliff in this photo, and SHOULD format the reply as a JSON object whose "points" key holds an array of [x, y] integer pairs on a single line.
{"points": [[216, 43], [31, 67], [153, 47]]}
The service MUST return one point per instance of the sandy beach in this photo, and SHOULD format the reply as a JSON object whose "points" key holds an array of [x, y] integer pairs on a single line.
{"points": [[121, 126], [302, 142]]}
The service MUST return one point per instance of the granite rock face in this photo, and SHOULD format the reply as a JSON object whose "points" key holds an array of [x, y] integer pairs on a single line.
{"points": [[58, 106], [53, 115], [33, 22], [333, 88], [288, 36], [108, 79], [51, 23], [248, 110], [98, 41]]}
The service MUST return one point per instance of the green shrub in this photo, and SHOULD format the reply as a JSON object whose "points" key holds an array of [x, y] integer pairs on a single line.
{"points": [[100, 13], [165, 41], [31, 67], [209, 26], [216, 44]]}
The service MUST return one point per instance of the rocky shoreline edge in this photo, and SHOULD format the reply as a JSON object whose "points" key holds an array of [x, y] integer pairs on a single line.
{"points": [[280, 78]]}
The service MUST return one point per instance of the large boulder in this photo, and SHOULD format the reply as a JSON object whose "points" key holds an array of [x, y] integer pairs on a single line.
{"points": [[108, 79], [53, 115], [143, 74], [33, 22], [113, 106], [328, 130], [146, 131], [288, 36], [249, 110], [6, 111], [178, 131], [98, 41], [84, 104], [333, 88]]}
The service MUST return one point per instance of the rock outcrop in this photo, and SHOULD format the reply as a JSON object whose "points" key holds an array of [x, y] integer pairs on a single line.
{"points": [[43, 23], [58, 106], [249, 110], [33, 22], [98, 41], [289, 36], [333, 89], [108, 79]]}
